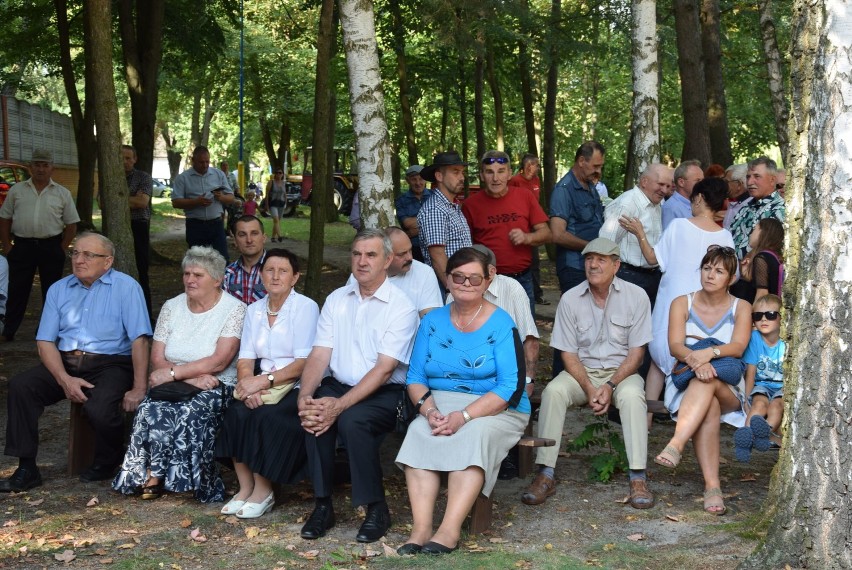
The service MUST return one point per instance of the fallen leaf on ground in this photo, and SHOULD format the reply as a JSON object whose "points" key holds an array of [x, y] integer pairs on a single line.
{"points": [[497, 540], [309, 554], [252, 532], [106, 561], [232, 520], [10, 523], [185, 523], [130, 531], [126, 546], [93, 501], [548, 546], [623, 501], [636, 536], [22, 550], [197, 536], [389, 551], [673, 518], [371, 553], [101, 552], [65, 556], [609, 546], [36, 503], [290, 547], [746, 477]]}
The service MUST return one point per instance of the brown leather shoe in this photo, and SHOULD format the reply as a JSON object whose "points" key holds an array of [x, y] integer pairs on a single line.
{"points": [[540, 489], [640, 496]]}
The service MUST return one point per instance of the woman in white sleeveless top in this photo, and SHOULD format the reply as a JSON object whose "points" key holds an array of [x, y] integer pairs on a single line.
{"points": [[707, 401]]}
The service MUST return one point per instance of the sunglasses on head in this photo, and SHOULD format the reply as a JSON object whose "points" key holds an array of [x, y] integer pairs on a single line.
{"points": [[770, 315], [460, 278], [493, 159], [723, 249]]}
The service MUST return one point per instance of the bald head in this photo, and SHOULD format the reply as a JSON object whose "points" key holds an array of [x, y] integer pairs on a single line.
{"points": [[402, 257], [655, 181]]}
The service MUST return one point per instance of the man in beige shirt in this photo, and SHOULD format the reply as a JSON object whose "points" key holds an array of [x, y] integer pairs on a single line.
{"points": [[38, 221], [601, 327]]}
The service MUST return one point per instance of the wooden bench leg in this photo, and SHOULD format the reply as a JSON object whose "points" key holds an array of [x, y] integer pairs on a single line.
{"points": [[480, 515], [525, 455], [81, 441]]}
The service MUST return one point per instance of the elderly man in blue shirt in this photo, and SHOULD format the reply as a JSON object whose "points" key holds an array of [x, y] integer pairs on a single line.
{"points": [[93, 343], [202, 193]]}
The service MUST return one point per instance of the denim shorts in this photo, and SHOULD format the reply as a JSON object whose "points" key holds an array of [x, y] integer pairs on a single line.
{"points": [[768, 391]]}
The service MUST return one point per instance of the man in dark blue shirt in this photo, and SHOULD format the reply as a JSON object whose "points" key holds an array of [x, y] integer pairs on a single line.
{"points": [[408, 206]]}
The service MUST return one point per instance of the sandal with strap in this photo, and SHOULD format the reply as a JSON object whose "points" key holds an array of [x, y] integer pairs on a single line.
{"points": [[152, 492], [669, 457], [714, 502]]}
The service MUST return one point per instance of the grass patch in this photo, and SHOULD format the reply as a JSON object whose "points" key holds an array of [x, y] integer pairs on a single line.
{"points": [[546, 560], [754, 527]]}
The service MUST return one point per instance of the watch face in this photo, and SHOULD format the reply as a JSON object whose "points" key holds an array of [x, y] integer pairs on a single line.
{"points": [[270, 377]]}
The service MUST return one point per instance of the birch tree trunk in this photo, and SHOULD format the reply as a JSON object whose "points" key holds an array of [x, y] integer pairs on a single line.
{"points": [[810, 506], [776, 77], [645, 130], [113, 191], [367, 105]]}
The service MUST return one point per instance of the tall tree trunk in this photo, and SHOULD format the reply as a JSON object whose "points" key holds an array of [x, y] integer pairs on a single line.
{"points": [[323, 140], [548, 158], [402, 77], [266, 137], [445, 118], [499, 122], [527, 96], [776, 77], [82, 120], [141, 27], [693, 96], [809, 505], [463, 111], [714, 81], [114, 193], [285, 138], [367, 104], [173, 155], [478, 102], [645, 121]]}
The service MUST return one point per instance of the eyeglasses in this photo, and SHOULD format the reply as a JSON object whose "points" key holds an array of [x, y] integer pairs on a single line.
{"points": [[723, 249], [460, 278], [770, 315], [497, 159], [87, 255], [279, 172]]}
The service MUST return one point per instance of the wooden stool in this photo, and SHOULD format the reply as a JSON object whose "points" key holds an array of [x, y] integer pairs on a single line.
{"points": [[81, 441], [480, 514]]}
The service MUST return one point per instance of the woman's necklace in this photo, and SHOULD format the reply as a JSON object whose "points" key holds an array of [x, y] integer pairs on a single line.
{"points": [[473, 318], [274, 313]]}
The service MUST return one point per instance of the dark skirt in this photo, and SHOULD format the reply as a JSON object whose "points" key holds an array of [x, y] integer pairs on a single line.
{"points": [[269, 439]]}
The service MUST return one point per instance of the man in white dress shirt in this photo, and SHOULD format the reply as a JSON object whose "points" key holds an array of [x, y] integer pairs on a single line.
{"points": [[364, 339], [415, 278], [642, 202]]}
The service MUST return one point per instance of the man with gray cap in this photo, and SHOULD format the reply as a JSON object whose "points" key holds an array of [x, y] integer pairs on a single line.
{"points": [[408, 206], [38, 221], [601, 327], [443, 228]]}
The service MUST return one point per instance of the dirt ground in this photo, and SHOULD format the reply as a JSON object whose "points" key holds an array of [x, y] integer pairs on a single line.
{"points": [[66, 523]]}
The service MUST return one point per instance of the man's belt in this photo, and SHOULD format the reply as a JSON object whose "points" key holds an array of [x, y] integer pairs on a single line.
{"points": [[77, 353], [18, 239], [200, 221], [648, 270], [518, 274]]}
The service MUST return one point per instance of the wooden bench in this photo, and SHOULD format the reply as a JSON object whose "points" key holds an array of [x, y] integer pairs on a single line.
{"points": [[480, 514], [81, 441]]}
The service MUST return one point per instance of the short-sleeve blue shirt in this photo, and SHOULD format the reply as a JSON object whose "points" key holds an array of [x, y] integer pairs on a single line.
{"points": [[408, 206], [103, 319], [582, 211], [191, 184]]}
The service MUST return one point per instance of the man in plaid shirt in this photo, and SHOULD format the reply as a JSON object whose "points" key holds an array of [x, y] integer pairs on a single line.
{"points": [[443, 228], [242, 277]]}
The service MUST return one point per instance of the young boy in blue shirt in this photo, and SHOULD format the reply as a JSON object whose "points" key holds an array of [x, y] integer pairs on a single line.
{"points": [[764, 378]]}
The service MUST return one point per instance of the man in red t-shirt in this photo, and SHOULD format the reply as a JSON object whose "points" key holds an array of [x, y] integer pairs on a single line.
{"points": [[527, 179], [507, 220]]}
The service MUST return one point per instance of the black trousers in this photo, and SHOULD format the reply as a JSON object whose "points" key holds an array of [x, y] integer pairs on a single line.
{"points": [[142, 248], [361, 429], [31, 391], [27, 257], [648, 280]]}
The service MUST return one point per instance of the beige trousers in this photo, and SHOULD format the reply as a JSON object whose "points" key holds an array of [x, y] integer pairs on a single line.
{"points": [[564, 391]]}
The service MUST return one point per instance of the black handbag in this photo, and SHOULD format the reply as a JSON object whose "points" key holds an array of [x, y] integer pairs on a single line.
{"points": [[174, 392], [406, 411]]}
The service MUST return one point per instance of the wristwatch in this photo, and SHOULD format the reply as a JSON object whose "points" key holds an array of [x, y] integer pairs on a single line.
{"points": [[271, 379], [611, 384], [716, 352], [172, 373]]}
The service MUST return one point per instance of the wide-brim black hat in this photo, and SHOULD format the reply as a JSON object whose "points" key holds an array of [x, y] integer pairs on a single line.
{"points": [[441, 159]]}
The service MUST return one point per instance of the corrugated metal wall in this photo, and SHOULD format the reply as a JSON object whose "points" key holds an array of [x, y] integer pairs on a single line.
{"points": [[26, 127]]}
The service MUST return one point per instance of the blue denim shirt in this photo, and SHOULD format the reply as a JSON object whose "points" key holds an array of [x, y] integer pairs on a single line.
{"points": [[582, 211], [408, 206]]}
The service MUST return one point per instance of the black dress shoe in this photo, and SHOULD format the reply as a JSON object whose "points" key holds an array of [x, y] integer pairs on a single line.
{"points": [[409, 549], [22, 479], [375, 525], [319, 522], [98, 473], [436, 549], [508, 469]]}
